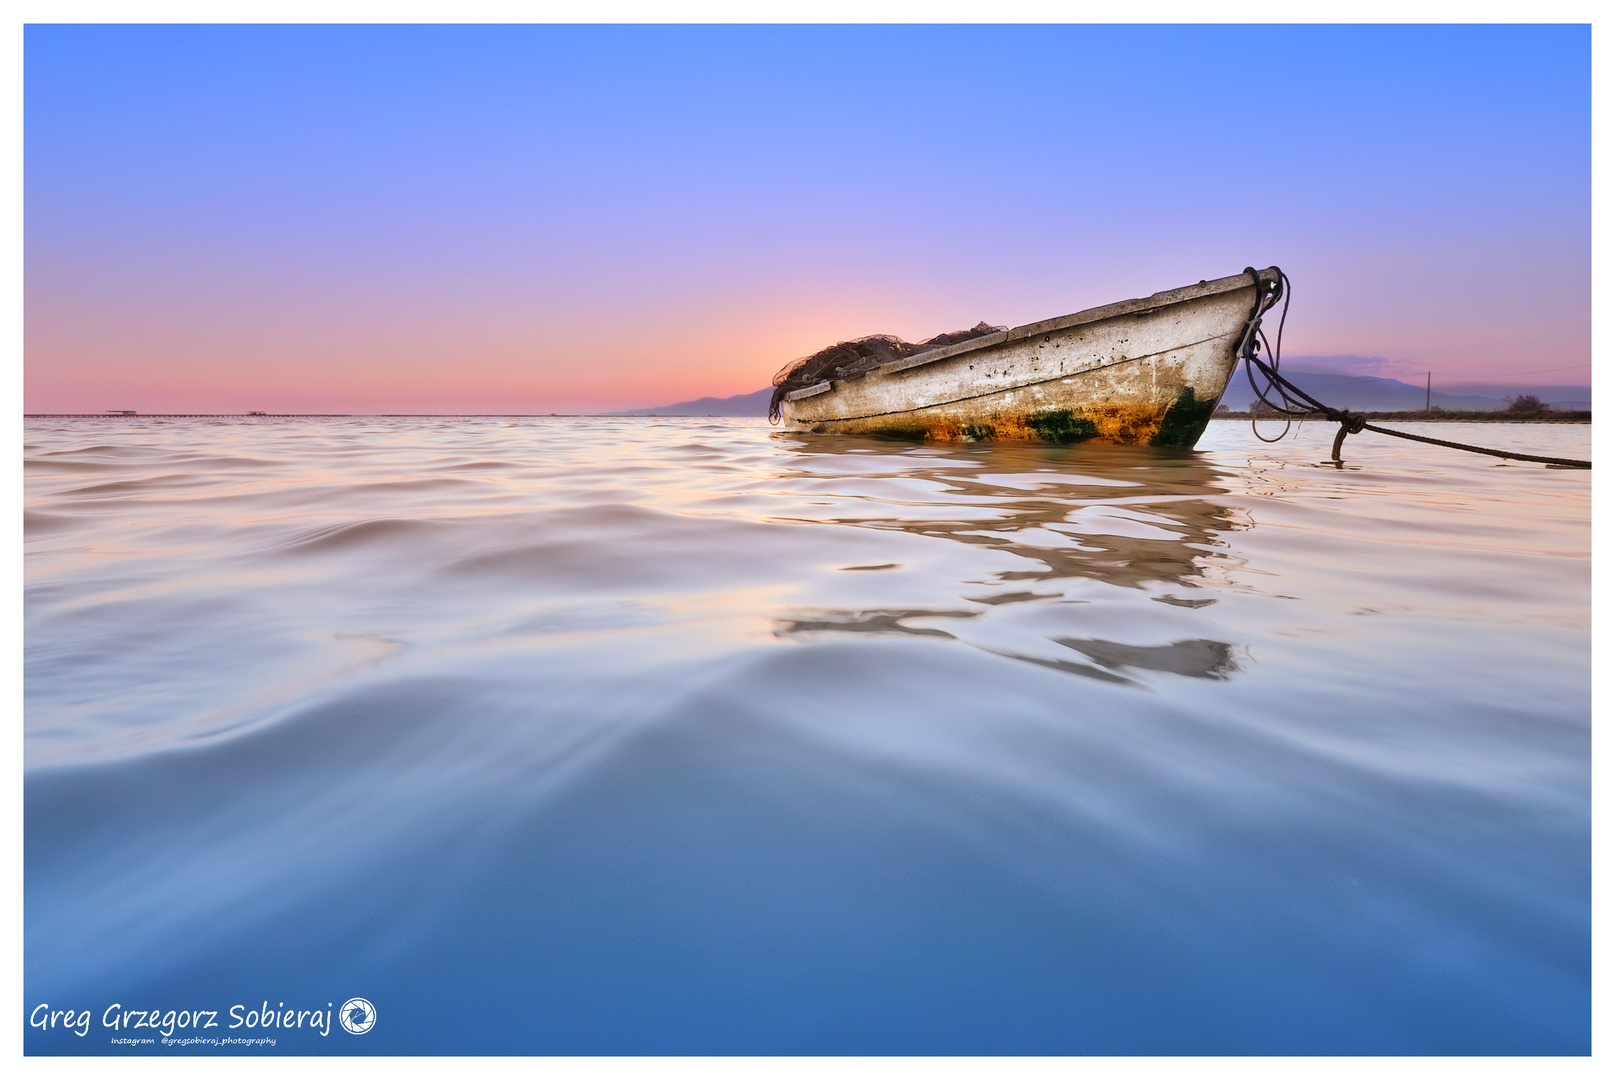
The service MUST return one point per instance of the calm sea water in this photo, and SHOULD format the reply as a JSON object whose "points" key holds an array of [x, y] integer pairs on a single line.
{"points": [[586, 735]]}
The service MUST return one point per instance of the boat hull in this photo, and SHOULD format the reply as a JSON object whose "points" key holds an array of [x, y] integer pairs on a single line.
{"points": [[1144, 371]]}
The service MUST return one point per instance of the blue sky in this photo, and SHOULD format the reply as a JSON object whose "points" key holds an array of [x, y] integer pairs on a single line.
{"points": [[557, 218]]}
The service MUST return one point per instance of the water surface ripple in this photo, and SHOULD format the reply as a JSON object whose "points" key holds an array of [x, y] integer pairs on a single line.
{"points": [[596, 735]]}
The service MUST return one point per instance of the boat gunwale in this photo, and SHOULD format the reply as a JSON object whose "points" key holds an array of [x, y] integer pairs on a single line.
{"points": [[1140, 306]]}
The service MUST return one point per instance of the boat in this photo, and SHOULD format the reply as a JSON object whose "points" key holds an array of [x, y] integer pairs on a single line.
{"points": [[1146, 371]]}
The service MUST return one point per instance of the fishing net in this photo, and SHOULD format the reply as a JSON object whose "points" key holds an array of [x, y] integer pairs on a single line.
{"points": [[847, 358]]}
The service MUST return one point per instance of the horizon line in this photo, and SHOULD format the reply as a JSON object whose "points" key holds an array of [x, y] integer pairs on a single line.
{"points": [[272, 416]]}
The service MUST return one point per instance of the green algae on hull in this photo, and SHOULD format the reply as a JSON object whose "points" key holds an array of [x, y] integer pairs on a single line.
{"points": [[1185, 421], [1060, 426]]}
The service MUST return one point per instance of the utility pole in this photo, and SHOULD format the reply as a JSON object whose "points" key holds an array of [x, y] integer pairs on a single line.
{"points": [[1427, 391]]}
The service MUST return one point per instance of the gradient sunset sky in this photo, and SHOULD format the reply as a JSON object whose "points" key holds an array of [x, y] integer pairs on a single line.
{"points": [[514, 219]]}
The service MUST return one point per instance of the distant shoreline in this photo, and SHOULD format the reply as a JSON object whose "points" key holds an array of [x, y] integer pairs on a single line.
{"points": [[1499, 417], [371, 416]]}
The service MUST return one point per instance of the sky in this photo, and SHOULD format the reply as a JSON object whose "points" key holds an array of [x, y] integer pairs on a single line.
{"points": [[577, 218]]}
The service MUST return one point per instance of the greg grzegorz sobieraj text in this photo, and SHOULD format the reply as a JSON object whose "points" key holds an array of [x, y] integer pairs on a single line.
{"points": [[356, 1016]]}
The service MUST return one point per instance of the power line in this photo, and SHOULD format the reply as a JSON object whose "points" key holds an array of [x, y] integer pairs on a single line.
{"points": [[1504, 374]]}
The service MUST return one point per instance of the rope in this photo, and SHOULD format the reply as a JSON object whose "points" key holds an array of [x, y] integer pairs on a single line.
{"points": [[1253, 334], [1295, 402], [1571, 463]]}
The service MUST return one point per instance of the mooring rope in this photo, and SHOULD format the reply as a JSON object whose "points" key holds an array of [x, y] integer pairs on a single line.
{"points": [[1296, 403]]}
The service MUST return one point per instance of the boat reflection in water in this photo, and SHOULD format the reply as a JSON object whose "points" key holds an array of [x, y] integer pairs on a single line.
{"points": [[1074, 520]]}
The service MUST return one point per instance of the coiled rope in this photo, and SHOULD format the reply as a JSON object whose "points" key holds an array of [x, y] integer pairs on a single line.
{"points": [[1295, 403]]}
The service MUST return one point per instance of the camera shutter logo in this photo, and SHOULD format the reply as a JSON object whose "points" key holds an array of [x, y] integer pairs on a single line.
{"points": [[358, 1016]]}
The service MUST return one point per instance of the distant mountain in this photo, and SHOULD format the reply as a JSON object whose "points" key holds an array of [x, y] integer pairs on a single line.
{"points": [[754, 404], [1356, 392], [1369, 392]]}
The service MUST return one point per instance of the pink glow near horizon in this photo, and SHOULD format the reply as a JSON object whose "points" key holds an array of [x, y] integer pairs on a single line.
{"points": [[598, 363]]}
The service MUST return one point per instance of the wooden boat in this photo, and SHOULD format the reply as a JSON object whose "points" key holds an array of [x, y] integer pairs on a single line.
{"points": [[1138, 371]]}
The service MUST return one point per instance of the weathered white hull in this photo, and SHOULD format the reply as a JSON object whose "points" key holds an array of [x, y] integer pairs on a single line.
{"points": [[1138, 371]]}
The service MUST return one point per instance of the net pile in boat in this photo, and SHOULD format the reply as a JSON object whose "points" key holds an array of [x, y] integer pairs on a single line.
{"points": [[848, 358]]}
